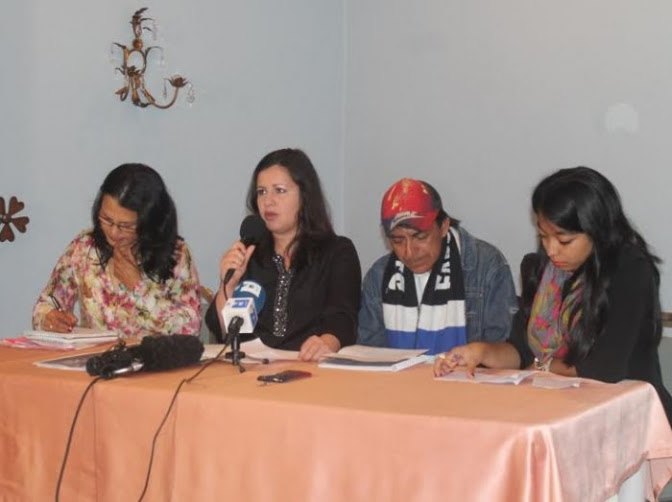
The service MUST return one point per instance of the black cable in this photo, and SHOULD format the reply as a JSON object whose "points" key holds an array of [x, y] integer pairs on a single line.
{"points": [[156, 435], [167, 414], [70, 435], [216, 358], [158, 431]]}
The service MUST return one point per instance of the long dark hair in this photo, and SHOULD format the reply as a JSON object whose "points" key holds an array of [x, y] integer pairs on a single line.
{"points": [[314, 223], [139, 188], [582, 200]]}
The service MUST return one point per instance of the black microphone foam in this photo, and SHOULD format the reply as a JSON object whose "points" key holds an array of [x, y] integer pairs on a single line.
{"points": [[252, 230], [155, 353], [167, 352]]}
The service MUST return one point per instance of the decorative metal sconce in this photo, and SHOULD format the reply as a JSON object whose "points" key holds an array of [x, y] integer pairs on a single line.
{"points": [[134, 65], [8, 218]]}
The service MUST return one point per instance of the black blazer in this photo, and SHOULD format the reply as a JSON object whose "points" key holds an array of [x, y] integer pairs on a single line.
{"points": [[323, 297]]}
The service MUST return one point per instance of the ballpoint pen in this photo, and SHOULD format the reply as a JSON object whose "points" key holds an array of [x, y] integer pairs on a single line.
{"points": [[57, 304]]}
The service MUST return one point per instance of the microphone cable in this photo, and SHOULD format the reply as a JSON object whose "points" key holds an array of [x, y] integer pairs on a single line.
{"points": [[167, 414], [71, 434], [156, 435]]}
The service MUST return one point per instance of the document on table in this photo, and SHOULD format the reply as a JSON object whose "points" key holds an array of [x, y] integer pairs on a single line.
{"points": [[255, 352], [551, 381], [75, 363], [485, 375], [363, 358]]}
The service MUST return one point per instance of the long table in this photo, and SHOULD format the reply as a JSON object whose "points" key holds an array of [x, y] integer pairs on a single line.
{"points": [[337, 436]]}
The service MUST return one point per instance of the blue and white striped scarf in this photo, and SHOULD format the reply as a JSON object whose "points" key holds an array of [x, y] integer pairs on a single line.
{"points": [[439, 322]]}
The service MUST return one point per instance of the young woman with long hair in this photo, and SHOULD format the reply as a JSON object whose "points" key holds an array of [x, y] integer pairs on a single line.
{"points": [[311, 276], [595, 311]]}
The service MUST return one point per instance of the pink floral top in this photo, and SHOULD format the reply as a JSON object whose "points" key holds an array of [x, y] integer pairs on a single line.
{"points": [[105, 304]]}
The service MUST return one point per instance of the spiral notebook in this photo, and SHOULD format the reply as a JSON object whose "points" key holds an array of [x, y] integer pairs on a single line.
{"points": [[78, 338]]}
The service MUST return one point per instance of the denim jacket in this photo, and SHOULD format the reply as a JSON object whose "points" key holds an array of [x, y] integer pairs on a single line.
{"points": [[490, 295]]}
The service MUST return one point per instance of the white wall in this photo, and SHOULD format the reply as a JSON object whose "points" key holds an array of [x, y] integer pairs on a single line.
{"points": [[267, 75], [483, 98]]}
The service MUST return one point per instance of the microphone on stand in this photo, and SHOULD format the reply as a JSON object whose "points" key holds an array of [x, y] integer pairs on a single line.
{"points": [[252, 232], [241, 313], [155, 353]]}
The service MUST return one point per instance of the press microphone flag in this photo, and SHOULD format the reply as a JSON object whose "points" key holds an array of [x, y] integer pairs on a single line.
{"points": [[252, 232], [245, 304]]}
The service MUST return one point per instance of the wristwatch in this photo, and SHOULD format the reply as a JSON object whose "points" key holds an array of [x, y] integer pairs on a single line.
{"points": [[543, 365]]}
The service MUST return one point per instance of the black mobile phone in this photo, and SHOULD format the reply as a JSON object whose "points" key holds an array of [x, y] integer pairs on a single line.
{"points": [[284, 376]]}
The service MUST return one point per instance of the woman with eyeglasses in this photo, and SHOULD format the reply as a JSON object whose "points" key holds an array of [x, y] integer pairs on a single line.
{"points": [[132, 273]]}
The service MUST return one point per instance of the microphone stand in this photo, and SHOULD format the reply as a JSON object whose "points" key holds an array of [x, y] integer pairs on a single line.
{"points": [[234, 337]]}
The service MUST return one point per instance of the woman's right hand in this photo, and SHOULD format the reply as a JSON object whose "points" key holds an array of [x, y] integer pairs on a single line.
{"points": [[469, 356], [236, 259], [126, 267], [59, 321]]}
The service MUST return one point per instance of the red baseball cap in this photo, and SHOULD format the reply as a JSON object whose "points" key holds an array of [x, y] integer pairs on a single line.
{"points": [[412, 202]]}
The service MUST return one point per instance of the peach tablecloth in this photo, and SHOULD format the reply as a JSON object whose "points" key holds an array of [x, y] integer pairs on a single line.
{"points": [[338, 436]]}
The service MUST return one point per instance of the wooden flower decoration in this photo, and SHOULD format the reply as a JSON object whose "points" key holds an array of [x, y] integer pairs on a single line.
{"points": [[8, 218]]}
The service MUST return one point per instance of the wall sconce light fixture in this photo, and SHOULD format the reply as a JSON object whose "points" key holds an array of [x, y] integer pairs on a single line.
{"points": [[134, 64]]}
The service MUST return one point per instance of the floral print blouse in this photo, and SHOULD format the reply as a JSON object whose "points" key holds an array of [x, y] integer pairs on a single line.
{"points": [[151, 307]]}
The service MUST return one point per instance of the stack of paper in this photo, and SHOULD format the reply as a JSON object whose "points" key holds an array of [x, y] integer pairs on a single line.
{"points": [[483, 375], [77, 339], [551, 381], [363, 358]]}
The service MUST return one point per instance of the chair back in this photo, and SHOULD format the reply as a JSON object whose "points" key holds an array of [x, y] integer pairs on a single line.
{"points": [[206, 295], [206, 299], [667, 319]]}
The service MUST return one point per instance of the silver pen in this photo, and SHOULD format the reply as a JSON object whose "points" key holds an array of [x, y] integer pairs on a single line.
{"points": [[56, 303]]}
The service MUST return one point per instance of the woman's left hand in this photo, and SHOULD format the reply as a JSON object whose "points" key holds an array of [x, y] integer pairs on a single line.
{"points": [[316, 346]]}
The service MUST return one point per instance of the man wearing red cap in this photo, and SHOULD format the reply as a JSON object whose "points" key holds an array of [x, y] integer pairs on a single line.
{"points": [[440, 287]]}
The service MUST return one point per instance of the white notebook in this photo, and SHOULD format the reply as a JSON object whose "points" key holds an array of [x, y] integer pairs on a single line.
{"points": [[79, 335], [363, 358]]}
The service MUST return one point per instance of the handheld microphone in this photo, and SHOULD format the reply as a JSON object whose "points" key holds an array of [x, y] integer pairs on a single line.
{"points": [[252, 232], [111, 363], [241, 311], [155, 353]]}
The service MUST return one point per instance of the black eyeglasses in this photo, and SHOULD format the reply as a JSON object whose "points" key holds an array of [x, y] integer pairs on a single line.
{"points": [[122, 227]]}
